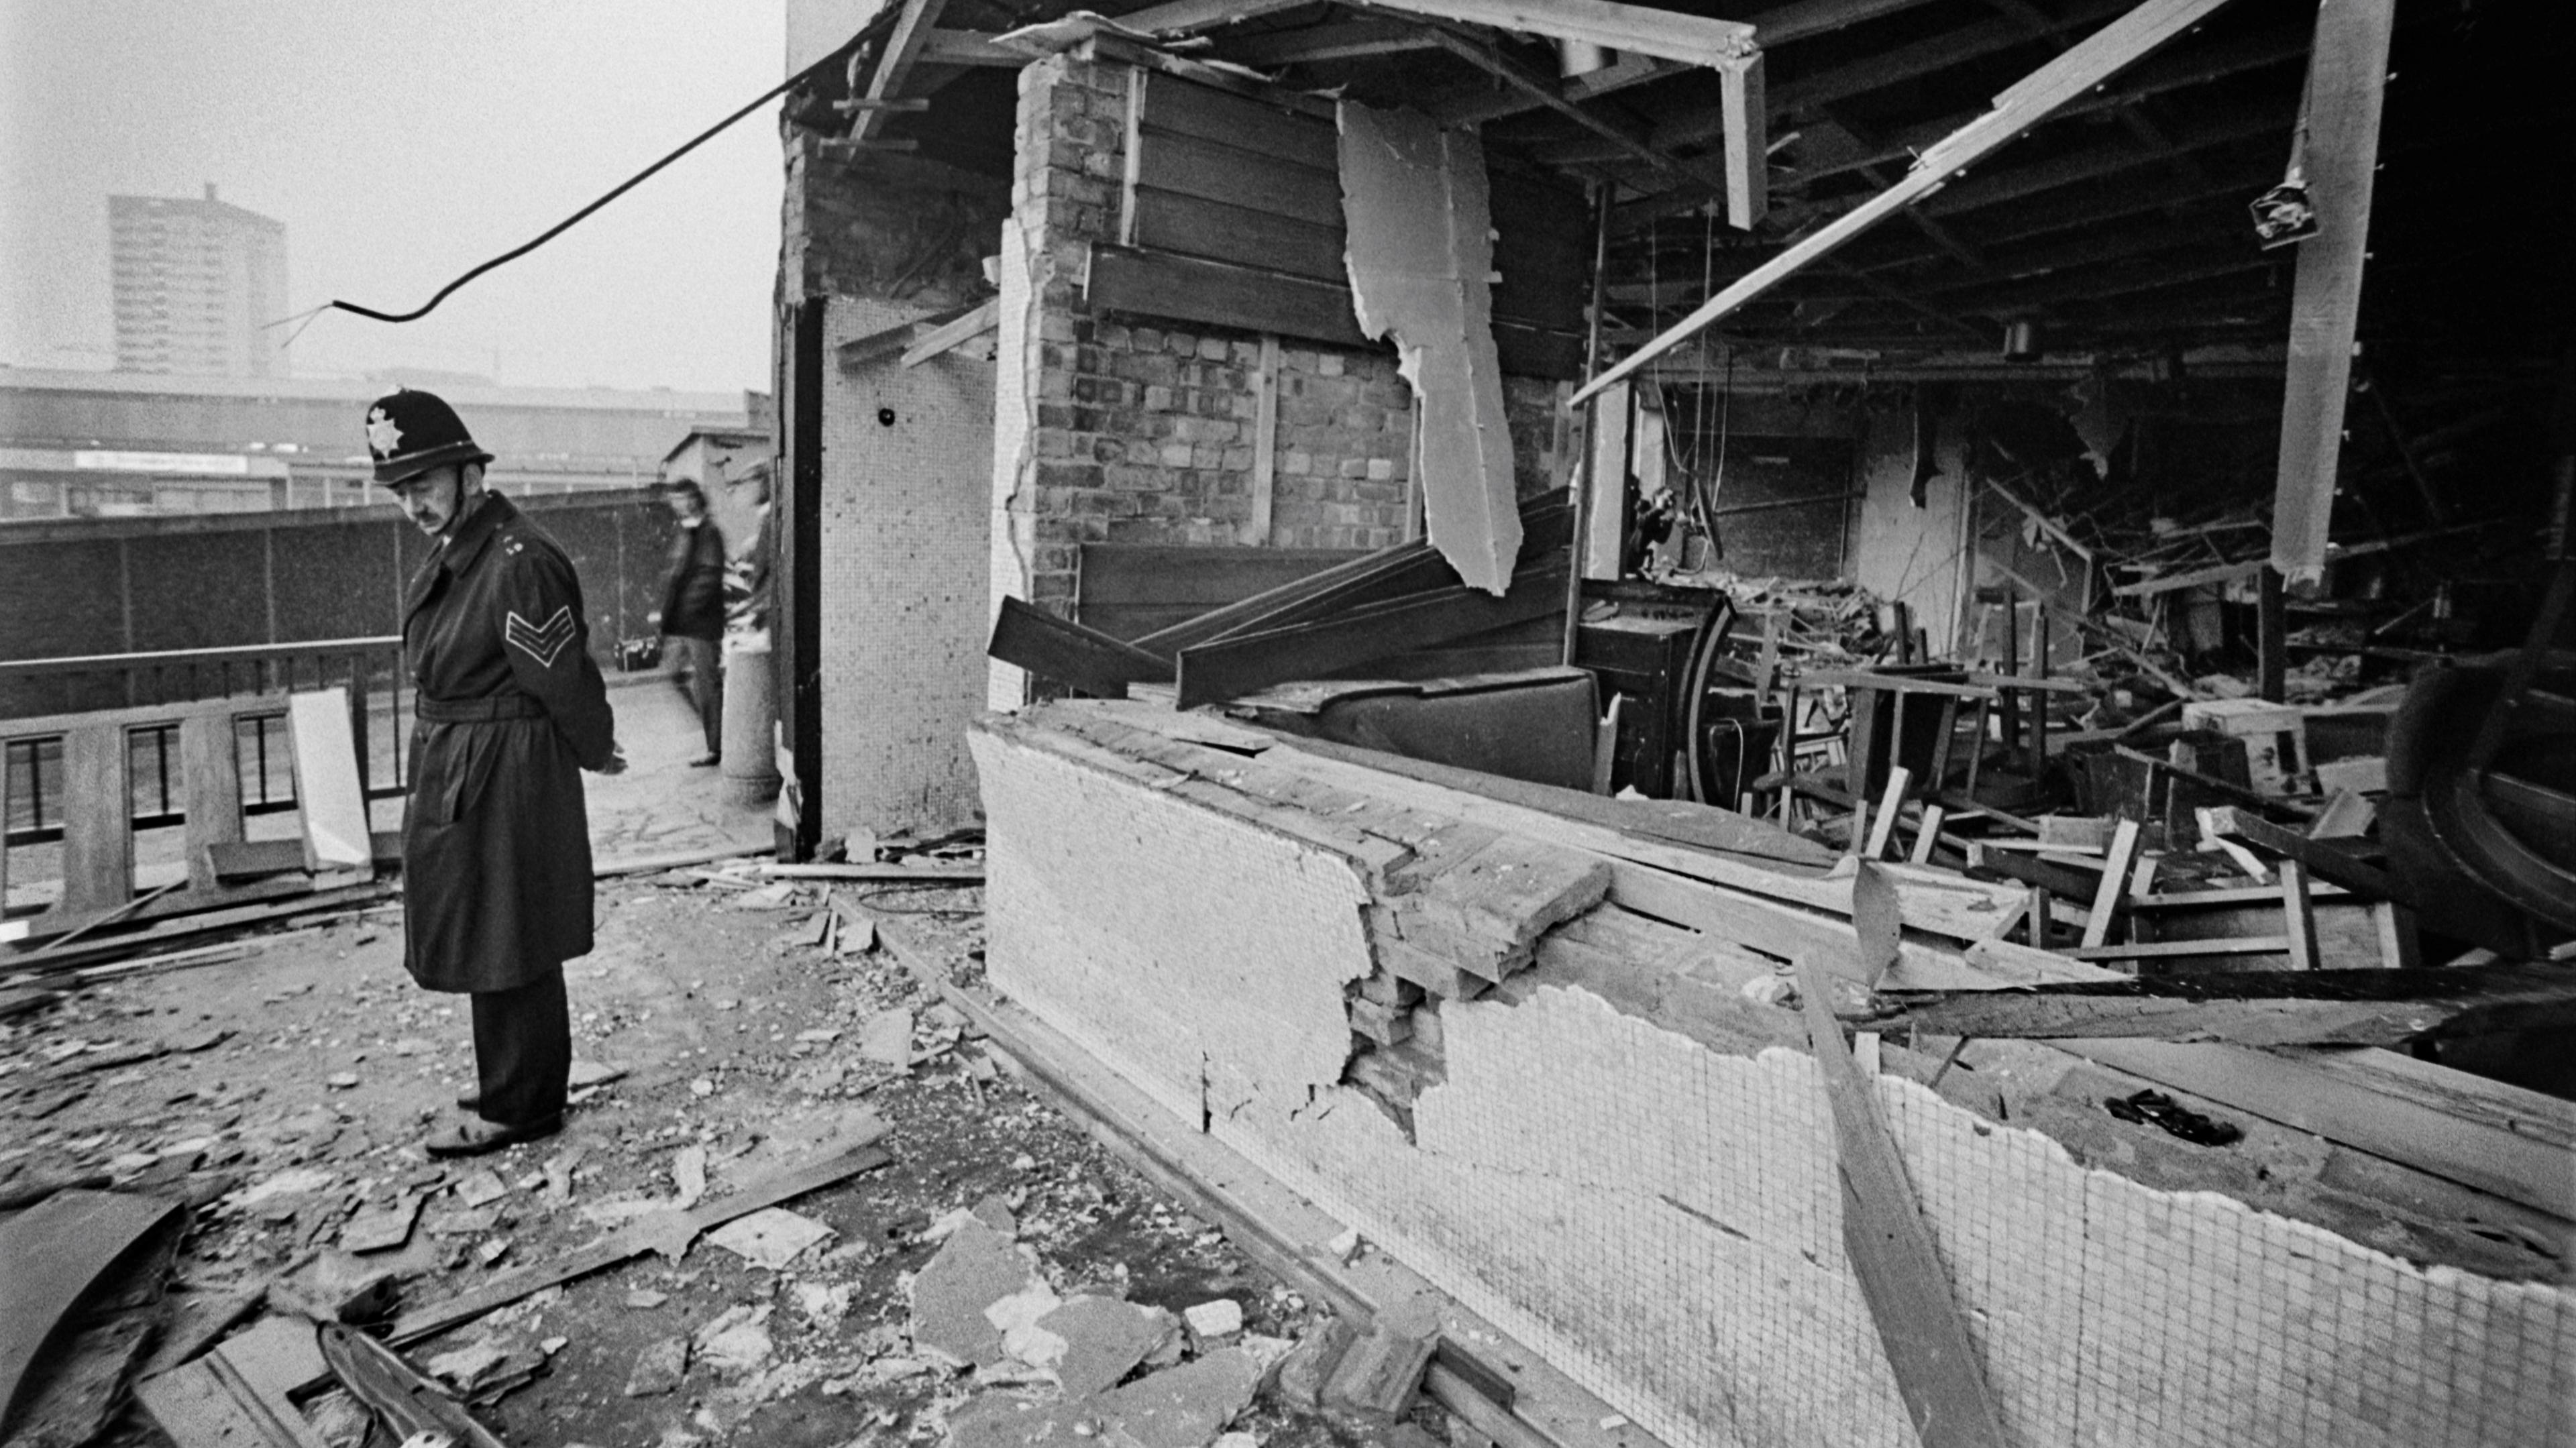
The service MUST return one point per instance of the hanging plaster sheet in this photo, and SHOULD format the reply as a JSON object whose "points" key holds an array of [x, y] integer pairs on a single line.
{"points": [[1421, 258], [1015, 387]]}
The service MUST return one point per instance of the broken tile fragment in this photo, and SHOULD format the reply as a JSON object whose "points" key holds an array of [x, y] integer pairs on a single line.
{"points": [[658, 1368], [737, 1340], [1099, 1340], [886, 1038], [645, 1299], [1182, 1407], [975, 1269], [769, 1238], [689, 1174], [477, 1188], [381, 1229], [1209, 1321]]}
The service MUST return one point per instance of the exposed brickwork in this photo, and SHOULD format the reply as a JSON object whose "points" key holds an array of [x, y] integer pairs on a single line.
{"points": [[896, 229], [1142, 430]]}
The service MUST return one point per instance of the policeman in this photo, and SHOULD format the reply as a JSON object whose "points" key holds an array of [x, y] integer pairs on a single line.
{"points": [[509, 708]]}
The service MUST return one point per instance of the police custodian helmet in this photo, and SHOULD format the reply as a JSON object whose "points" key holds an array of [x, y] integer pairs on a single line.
{"points": [[409, 432]]}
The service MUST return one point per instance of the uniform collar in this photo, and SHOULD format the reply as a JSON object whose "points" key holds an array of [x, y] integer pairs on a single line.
{"points": [[467, 543]]}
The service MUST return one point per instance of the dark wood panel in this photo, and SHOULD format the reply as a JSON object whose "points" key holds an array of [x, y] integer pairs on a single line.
{"points": [[1144, 573], [1189, 289], [1192, 289], [1167, 221], [1213, 171], [1179, 107]]}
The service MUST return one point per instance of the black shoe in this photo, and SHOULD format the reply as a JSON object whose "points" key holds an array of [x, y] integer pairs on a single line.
{"points": [[706, 761], [474, 1138]]}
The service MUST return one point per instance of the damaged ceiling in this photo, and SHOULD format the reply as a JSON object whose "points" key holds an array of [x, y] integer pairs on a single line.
{"points": [[2117, 228]]}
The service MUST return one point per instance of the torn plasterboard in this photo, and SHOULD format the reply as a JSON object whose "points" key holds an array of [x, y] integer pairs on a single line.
{"points": [[1015, 390], [1421, 258]]}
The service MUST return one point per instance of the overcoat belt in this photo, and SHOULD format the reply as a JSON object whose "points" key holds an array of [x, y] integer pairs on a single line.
{"points": [[510, 709]]}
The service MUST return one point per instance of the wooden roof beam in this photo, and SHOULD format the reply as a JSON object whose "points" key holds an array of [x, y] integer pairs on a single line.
{"points": [[2347, 77], [902, 48], [1486, 57], [2103, 55], [1344, 40]]}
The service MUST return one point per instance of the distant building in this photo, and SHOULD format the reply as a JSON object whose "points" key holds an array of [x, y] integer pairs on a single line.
{"points": [[112, 444], [194, 283]]}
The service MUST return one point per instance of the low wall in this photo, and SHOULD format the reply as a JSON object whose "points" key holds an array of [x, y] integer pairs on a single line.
{"points": [[134, 585], [1654, 1207]]}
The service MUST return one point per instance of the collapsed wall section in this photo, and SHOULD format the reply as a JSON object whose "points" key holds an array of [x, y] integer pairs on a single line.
{"points": [[1659, 1216], [1130, 425]]}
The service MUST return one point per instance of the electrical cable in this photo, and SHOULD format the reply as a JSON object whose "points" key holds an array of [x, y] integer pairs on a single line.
{"points": [[567, 224]]}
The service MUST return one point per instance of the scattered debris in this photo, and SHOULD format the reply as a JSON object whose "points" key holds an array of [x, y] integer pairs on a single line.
{"points": [[771, 1238]]}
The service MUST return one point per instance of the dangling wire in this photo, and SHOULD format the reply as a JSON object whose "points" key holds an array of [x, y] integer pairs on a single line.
{"points": [[569, 222]]}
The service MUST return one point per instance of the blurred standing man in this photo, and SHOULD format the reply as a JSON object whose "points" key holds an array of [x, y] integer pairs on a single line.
{"points": [[510, 708], [693, 613]]}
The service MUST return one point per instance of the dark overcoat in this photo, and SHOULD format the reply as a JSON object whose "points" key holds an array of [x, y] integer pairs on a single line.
{"points": [[510, 709]]}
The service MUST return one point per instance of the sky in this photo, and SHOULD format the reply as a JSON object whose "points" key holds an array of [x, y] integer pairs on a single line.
{"points": [[402, 144]]}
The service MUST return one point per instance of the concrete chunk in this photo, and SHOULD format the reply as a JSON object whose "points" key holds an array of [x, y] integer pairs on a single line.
{"points": [[977, 1268]]}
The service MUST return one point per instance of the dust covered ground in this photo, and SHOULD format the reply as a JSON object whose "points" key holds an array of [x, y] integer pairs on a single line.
{"points": [[288, 1092]]}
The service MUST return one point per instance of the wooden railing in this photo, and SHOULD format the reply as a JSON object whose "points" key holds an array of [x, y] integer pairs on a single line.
{"points": [[132, 689]]}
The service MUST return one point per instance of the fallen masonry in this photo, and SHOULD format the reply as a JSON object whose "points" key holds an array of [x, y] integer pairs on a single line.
{"points": [[1601, 1128]]}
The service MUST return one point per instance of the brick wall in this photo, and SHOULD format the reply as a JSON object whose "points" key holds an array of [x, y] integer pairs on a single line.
{"points": [[1139, 430]]}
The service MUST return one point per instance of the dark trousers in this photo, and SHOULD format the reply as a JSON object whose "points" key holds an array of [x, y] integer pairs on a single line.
{"points": [[522, 1051], [697, 666]]}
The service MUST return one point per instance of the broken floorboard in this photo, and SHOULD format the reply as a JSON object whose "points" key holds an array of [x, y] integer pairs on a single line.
{"points": [[2375, 1007], [1524, 1173], [1774, 908]]}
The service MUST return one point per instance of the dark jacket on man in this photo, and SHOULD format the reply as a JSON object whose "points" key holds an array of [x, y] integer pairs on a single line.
{"points": [[693, 589], [510, 709]]}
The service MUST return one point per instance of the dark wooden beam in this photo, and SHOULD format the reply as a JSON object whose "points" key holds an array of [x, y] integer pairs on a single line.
{"points": [[1345, 40]]}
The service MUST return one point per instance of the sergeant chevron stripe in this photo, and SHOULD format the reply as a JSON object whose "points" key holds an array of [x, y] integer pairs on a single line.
{"points": [[541, 643]]}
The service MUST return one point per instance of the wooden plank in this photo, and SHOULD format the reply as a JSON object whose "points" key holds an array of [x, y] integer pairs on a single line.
{"points": [[1218, 232], [239, 860], [1183, 575], [1231, 667], [98, 836], [2166, 949], [1265, 442], [1033, 639], [1774, 911], [2216, 573], [1350, 40], [1891, 807], [2322, 859], [902, 48], [2116, 865], [951, 335], [1208, 170], [431, 1319], [2363, 1007], [2272, 636], [2339, 148], [1691, 39], [328, 792], [1891, 1251], [2303, 1090], [1194, 289], [2070, 75], [1189, 17], [1748, 130], [967, 47], [1182, 108], [2298, 916]]}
